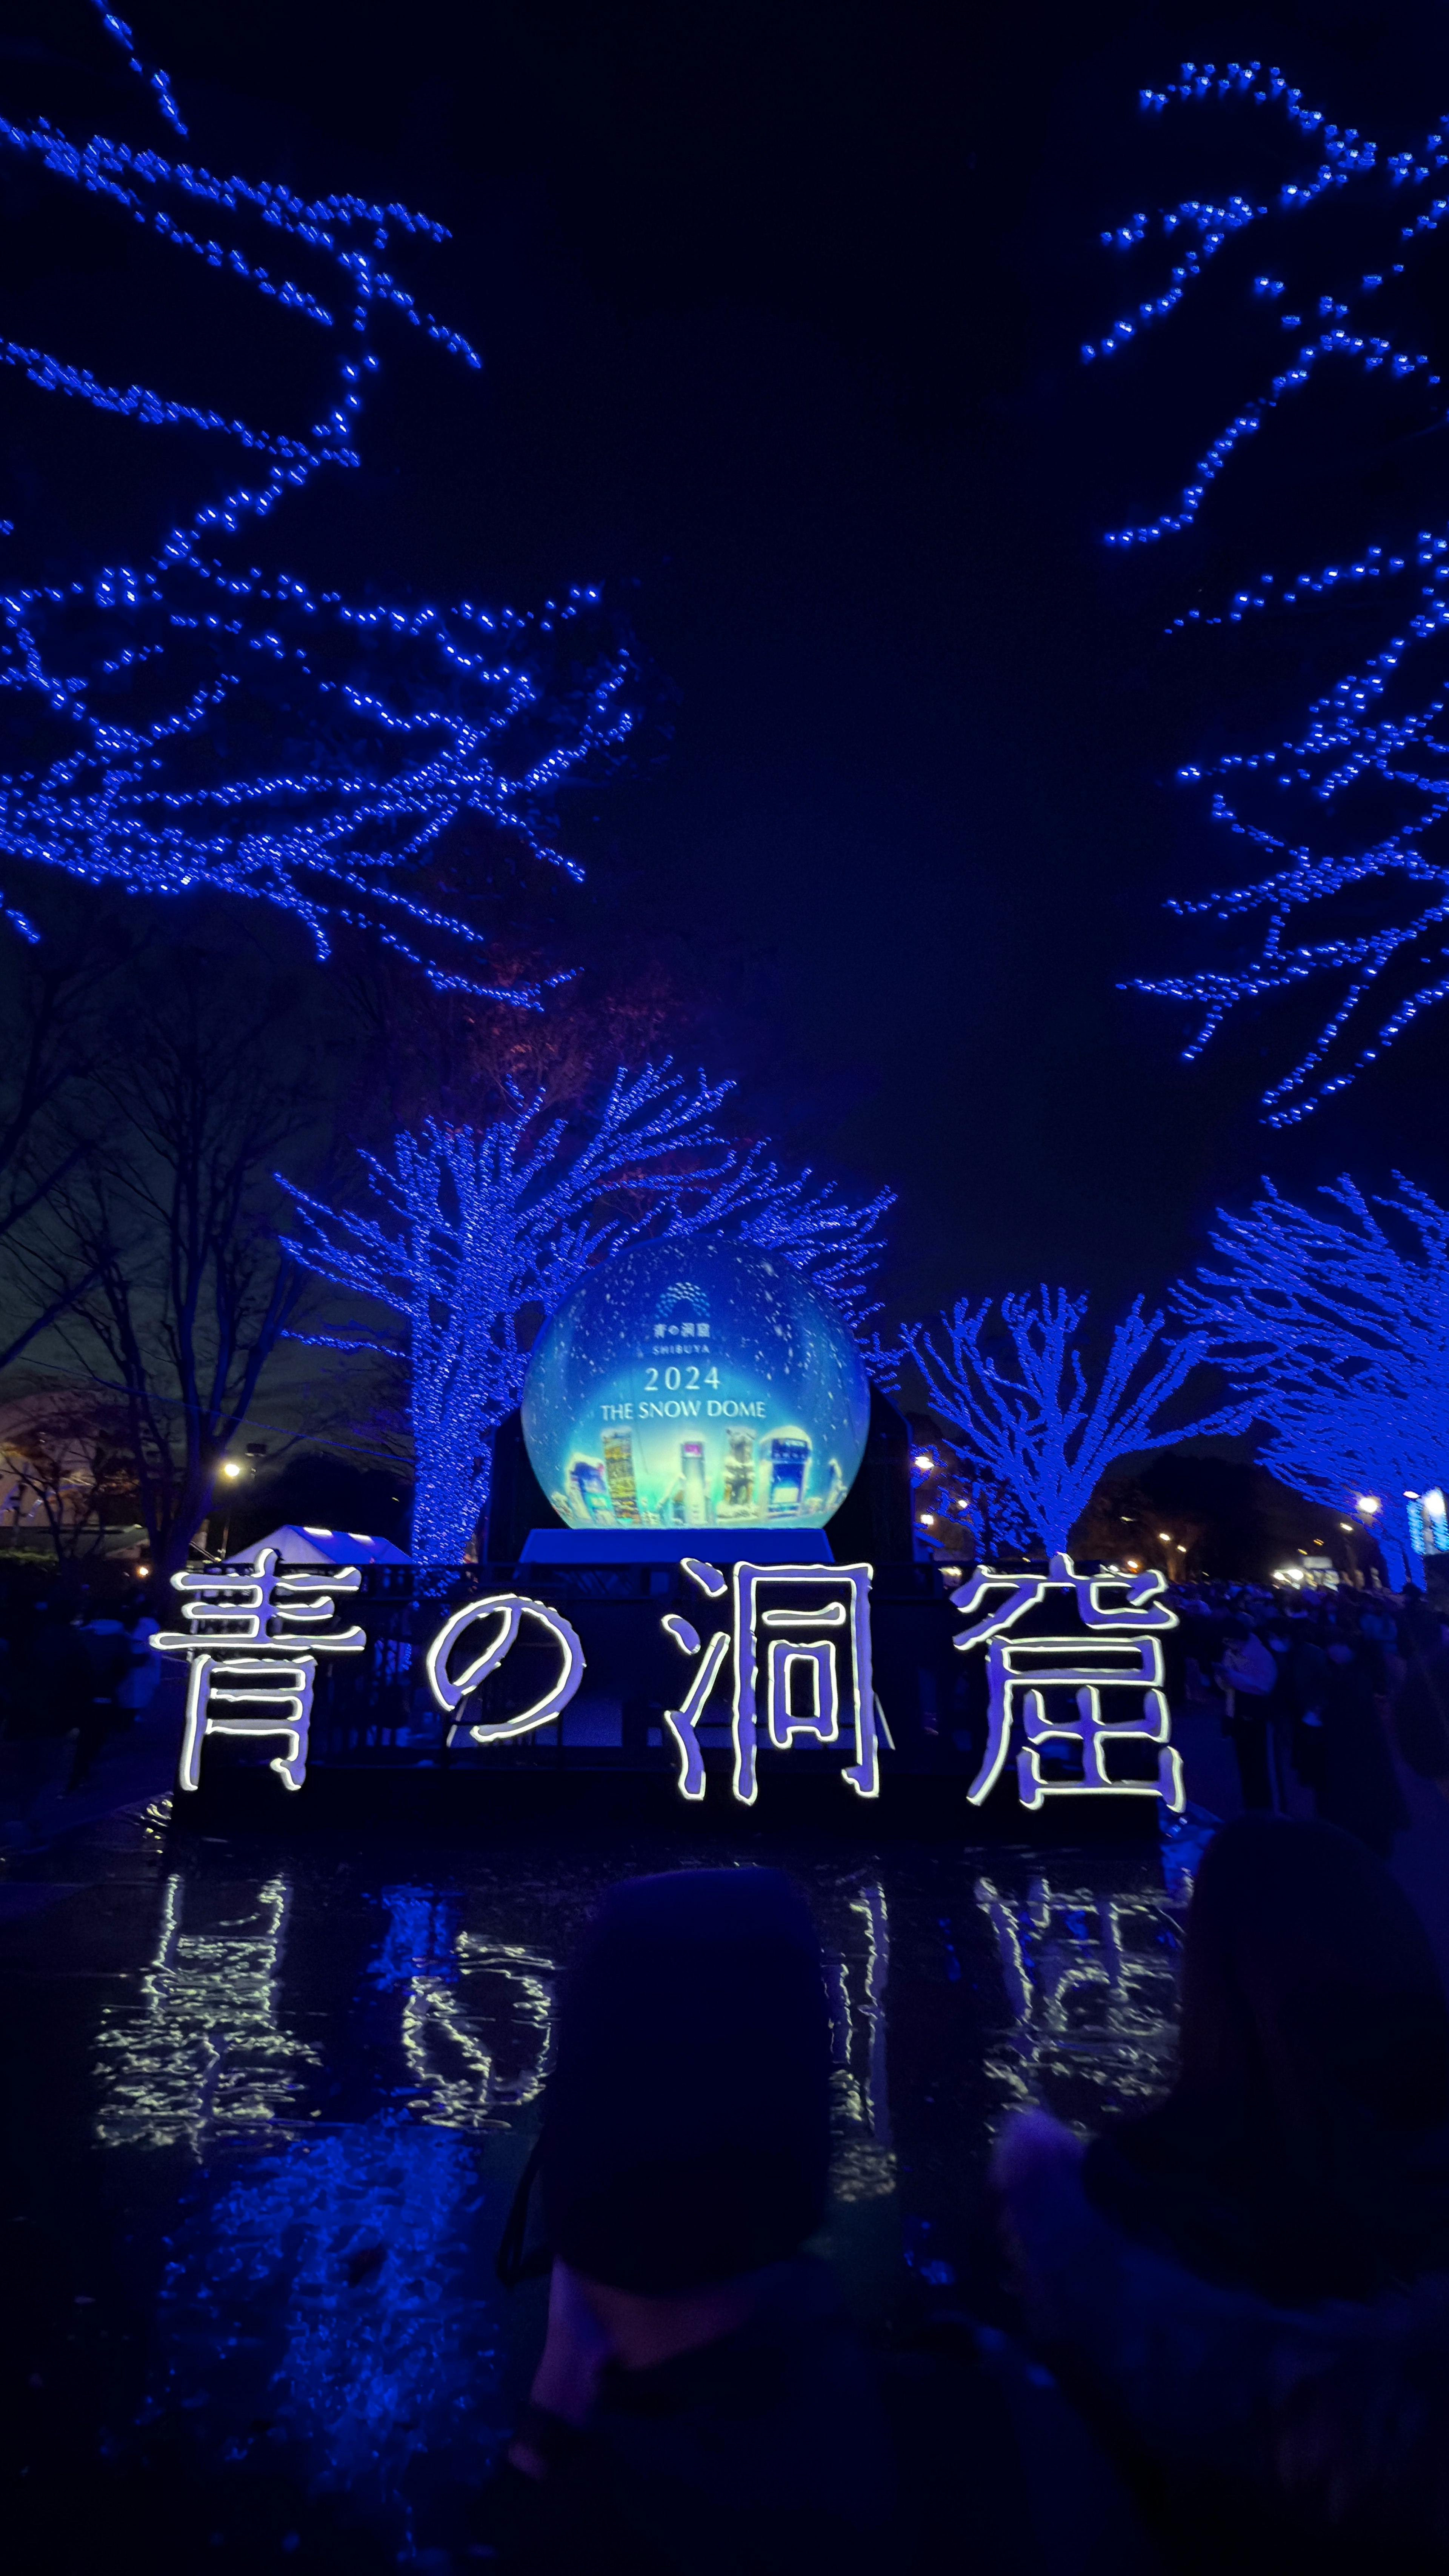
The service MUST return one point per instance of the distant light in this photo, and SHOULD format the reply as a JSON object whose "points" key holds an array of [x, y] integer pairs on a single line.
{"points": [[928, 1520], [1132, 1565], [1166, 1537], [143, 1569], [923, 1462], [1345, 1525], [230, 1467], [1367, 1503], [950, 1573]]}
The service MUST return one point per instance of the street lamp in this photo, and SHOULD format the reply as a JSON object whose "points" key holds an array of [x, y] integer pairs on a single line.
{"points": [[231, 1469]]}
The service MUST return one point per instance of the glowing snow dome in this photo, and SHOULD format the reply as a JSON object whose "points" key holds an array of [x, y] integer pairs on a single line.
{"points": [[697, 1383]]}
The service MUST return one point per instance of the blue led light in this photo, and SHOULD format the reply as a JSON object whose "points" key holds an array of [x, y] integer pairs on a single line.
{"points": [[1336, 1329], [202, 721], [1036, 1432], [486, 1231], [1359, 735]]}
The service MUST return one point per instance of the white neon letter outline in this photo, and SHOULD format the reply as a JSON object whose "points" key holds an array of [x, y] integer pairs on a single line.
{"points": [[823, 1721], [242, 1651], [863, 1774], [449, 1692], [683, 1721]]}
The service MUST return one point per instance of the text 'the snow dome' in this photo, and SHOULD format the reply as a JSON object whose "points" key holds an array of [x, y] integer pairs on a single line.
{"points": [[695, 1383]]}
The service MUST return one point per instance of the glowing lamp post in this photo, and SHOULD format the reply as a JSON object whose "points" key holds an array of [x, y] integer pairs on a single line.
{"points": [[230, 1470]]}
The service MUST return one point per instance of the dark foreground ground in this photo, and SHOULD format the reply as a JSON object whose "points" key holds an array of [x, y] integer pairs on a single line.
{"points": [[267, 2102]]}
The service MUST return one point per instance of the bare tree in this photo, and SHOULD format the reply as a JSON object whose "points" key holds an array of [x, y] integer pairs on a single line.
{"points": [[59, 1035], [66, 1471], [171, 1222]]}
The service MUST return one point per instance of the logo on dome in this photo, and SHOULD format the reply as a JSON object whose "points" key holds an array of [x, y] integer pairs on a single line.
{"points": [[681, 1313]]}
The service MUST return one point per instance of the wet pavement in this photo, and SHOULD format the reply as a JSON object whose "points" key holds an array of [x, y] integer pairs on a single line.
{"points": [[268, 2105]]}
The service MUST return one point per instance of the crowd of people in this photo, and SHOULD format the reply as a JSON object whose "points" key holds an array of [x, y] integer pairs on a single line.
{"points": [[74, 1669], [1230, 2335], [1311, 1687]]}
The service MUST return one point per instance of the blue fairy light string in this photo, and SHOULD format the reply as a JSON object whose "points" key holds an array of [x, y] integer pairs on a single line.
{"points": [[192, 719], [1037, 1424], [1335, 1330], [156, 81], [1357, 739]]}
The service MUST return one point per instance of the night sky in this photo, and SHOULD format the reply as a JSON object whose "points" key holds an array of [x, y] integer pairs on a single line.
{"points": [[780, 311]]}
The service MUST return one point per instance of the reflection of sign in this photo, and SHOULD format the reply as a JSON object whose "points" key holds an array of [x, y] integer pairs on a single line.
{"points": [[730, 1395], [798, 1678], [1058, 1684], [237, 1661], [1090, 1985]]}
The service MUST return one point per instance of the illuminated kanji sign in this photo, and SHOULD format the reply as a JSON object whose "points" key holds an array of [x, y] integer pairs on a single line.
{"points": [[510, 1609], [1110, 1664], [781, 1648], [754, 1660], [242, 1654]]}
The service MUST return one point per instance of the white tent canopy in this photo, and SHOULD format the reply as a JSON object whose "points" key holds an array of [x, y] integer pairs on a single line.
{"points": [[296, 1545]]}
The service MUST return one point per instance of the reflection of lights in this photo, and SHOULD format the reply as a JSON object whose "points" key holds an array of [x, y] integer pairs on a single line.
{"points": [[361, 2245], [1345, 1525], [864, 2165], [1090, 1987], [207, 2055], [475, 2019], [453, 2034]]}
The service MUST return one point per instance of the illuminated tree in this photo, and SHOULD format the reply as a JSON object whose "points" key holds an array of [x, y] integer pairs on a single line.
{"points": [[484, 1232], [1037, 1427], [1336, 1328], [1346, 811], [832, 1242], [190, 716]]}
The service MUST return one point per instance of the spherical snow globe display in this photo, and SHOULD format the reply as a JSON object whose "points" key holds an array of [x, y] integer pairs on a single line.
{"points": [[695, 1383]]}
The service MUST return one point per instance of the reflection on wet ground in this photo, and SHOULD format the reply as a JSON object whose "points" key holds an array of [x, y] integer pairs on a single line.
{"points": [[270, 2107]]}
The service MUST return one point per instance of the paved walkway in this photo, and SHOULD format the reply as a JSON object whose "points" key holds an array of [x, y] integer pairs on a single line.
{"points": [[36, 1809]]}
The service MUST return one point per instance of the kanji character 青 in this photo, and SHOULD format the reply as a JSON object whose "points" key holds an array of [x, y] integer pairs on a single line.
{"points": [[237, 1661]]}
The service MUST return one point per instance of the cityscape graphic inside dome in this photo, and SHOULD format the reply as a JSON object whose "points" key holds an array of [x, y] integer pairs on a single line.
{"points": [[695, 1386]]}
